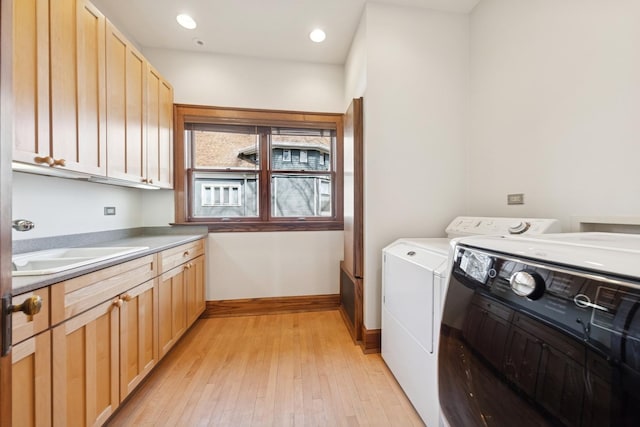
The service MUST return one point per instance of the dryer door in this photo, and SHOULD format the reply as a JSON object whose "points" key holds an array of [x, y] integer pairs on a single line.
{"points": [[408, 290]]}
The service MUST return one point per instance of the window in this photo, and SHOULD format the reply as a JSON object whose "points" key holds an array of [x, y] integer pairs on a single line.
{"points": [[256, 170], [221, 195]]}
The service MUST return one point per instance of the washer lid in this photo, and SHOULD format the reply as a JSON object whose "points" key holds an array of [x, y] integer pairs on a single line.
{"points": [[431, 260], [434, 244], [614, 253]]}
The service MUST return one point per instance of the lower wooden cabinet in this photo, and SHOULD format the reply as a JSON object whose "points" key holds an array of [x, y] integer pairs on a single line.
{"points": [[138, 335], [86, 366], [100, 356], [31, 363], [182, 301], [31, 383], [110, 328], [172, 320], [194, 282]]}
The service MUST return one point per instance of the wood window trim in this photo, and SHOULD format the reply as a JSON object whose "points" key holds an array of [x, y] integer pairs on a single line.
{"points": [[184, 113]]}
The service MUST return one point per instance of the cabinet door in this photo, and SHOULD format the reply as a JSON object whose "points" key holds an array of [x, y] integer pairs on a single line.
{"points": [[600, 404], [172, 318], [473, 321], [31, 80], [560, 385], [138, 335], [522, 358], [487, 333], [159, 130], [31, 383], [77, 31], [492, 338], [86, 367], [126, 69], [195, 289]]}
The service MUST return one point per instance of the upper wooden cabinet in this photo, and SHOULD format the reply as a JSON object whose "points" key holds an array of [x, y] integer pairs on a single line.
{"points": [[126, 127], [31, 80], [85, 99], [77, 46], [139, 116], [159, 130]]}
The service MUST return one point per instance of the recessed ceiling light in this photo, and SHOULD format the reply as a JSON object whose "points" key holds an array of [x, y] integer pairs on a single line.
{"points": [[317, 35], [186, 21]]}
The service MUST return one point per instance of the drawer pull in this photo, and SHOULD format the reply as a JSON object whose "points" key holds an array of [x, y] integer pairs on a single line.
{"points": [[59, 162], [186, 253], [31, 306]]}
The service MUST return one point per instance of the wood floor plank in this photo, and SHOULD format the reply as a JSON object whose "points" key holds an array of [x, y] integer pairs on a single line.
{"points": [[296, 369]]}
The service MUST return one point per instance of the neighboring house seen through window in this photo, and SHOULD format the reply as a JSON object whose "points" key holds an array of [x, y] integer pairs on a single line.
{"points": [[261, 171]]}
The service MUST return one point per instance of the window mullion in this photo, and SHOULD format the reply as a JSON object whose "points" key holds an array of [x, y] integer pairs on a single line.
{"points": [[265, 173]]}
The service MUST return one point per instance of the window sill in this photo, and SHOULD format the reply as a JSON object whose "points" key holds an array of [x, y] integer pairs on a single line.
{"points": [[251, 226]]}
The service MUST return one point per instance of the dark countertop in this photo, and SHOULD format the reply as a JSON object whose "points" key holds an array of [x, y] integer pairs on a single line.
{"points": [[156, 239]]}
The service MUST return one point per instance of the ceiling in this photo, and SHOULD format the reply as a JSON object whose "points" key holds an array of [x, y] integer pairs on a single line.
{"points": [[272, 29]]}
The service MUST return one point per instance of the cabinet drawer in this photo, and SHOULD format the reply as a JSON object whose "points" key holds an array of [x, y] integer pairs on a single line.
{"points": [[493, 307], [74, 296], [553, 338], [23, 327], [173, 257]]}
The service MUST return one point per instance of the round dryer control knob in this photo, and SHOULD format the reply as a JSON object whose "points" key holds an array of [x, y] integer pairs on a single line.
{"points": [[525, 284], [519, 227]]}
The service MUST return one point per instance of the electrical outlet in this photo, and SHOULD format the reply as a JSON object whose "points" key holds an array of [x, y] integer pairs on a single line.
{"points": [[515, 199], [109, 210]]}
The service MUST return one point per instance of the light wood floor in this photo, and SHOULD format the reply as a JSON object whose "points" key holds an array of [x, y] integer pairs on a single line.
{"points": [[297, 369]]}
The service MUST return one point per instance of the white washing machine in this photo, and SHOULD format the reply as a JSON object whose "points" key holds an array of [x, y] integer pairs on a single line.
{"points": [[414, 273]]}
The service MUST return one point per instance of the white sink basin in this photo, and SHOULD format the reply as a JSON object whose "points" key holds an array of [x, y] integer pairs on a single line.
{"points": [[57, 260]]}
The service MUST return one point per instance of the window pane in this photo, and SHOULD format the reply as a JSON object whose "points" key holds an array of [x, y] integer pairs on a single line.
{"points": [[300, 195], [301, 149], [221, 195], [229, 147]]}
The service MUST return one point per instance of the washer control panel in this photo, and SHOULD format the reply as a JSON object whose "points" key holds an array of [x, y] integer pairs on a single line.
{"points": [[588, 305], [474, 226]]}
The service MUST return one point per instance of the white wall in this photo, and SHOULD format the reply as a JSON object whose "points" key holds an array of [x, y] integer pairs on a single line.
{"points": [[415, 118], [158, 208], [555, 96], [236, 81], [62, 206], [355, 67], [259, 265], [253, 265]]}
